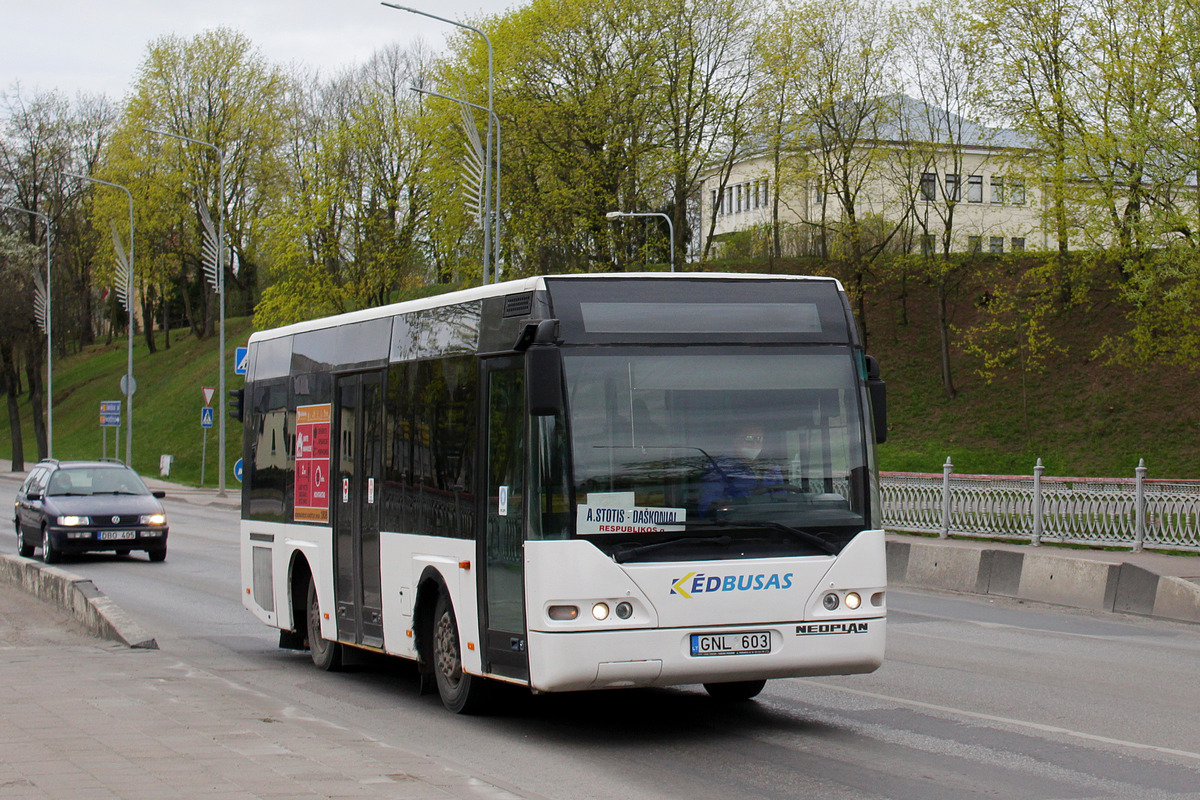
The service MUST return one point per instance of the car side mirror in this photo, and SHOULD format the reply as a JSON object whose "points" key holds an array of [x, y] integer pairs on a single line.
{"points": [[34, 496], [159, 493]]}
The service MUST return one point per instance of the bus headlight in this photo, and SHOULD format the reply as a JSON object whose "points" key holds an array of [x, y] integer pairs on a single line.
{"points": [[600, 611], [624, 610], [562, 613], [831, 601], [853, 601]]}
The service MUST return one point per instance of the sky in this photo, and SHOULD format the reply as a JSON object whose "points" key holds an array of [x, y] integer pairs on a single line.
{"points": [[77, 45]]}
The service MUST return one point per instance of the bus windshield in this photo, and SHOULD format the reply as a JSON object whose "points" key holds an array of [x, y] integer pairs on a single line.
{"points": [[717, 452]]}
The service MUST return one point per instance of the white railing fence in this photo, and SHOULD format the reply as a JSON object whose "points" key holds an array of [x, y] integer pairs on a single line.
{"points": [[1137, 512]]}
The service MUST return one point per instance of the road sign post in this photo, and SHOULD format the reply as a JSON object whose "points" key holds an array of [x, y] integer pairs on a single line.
{"points": [[206, 422], [110, 417]]}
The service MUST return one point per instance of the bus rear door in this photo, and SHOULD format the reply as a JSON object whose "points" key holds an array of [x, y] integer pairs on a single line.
{"points": [[358, 419]]}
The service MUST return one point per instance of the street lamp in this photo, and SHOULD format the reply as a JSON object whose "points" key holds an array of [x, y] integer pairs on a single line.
{"points": [[49, 347], [130, 386], [221, 297], [487, 180], [499, 173], [670, 225]]}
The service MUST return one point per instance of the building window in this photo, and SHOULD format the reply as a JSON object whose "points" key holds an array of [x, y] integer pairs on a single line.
{"points": [[926, 244], [929, 186], [1018, 244], [974, 244], [1016, 195], [974, 188], [952, 186], [818, 195], [729, 200], [996, 244], [997, 189]]}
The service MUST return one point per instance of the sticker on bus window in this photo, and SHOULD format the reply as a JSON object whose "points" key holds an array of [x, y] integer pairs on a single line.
{"points": [[311, 492], [617, 512], [503, 501]]}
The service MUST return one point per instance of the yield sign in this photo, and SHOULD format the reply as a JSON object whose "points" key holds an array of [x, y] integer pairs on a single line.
{"points": [[208, 395]]}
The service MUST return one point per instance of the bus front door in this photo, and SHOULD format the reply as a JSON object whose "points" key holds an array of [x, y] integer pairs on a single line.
{"points": [[358, 418], [501, 547]]}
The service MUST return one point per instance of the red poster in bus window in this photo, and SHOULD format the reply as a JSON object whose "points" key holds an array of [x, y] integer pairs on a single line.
{"points": [[312, 463]]}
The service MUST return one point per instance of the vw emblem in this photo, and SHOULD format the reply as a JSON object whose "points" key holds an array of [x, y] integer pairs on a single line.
{"points": [[116, 519]]}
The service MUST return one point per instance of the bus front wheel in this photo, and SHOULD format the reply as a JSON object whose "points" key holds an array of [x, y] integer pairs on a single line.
{"points": [[460, 692], [734, 691], [325, 654]]}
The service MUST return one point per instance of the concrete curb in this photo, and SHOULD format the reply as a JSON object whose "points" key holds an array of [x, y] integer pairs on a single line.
{"points": [[79, 597], [1045, 578]]}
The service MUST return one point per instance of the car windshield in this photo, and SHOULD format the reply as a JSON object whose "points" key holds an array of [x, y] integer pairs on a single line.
{"points": [[730, 445], [85, 481]]}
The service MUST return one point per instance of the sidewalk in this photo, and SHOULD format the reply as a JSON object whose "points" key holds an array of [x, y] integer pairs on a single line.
{"points": [[83, 718]]}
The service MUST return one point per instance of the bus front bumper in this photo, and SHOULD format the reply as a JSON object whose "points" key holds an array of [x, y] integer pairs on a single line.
{"points": [[564, 662]]}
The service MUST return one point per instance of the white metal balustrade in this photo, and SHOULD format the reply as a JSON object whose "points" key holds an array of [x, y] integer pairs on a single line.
{"points": [[1136, 512]]}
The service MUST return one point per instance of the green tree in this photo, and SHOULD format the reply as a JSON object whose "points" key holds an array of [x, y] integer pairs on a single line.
{"points": [[216, 88]]}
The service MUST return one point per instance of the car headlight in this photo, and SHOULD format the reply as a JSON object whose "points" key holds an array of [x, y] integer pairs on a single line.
{"points": [[153, 519], [72, 521]]}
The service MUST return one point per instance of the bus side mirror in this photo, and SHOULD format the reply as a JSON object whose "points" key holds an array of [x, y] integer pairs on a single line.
{"points": [[544, 380], [877, 390]]}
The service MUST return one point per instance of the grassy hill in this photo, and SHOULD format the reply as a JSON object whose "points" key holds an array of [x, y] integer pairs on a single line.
{"points": [[166, 405], [1081, 415]]}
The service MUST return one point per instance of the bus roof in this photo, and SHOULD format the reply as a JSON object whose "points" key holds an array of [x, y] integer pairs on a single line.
{"points": [[535, 283]]}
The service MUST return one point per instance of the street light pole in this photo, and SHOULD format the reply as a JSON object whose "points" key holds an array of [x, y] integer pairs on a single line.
{"points": [[220, 298], [670, 225], [487, 180], [49, 338], [499, 173], [130, 386]]}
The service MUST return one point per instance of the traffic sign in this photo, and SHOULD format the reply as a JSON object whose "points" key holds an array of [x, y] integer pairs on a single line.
{"points": [[206, 417], [110, 413], [240, 360], [208, 393], [237, 470], [128, 385]]}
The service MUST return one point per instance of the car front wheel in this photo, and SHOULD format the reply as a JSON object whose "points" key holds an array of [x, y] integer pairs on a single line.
{"points": [[50, 553]]}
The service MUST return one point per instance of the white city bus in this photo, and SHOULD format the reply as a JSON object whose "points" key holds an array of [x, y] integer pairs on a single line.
{"points": [[572, 482]]}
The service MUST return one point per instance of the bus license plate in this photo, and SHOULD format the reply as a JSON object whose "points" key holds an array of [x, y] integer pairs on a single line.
{"points": [[737, 643], [111, 535]]}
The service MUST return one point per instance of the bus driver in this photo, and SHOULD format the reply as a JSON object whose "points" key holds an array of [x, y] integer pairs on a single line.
{"points": [[741, 474]]}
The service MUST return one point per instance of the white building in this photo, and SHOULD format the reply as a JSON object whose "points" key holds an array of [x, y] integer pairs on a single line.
{"points": [[979, 177]]}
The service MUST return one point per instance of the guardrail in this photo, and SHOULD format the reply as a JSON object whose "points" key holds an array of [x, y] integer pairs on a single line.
{"points": [[1138, 512]]}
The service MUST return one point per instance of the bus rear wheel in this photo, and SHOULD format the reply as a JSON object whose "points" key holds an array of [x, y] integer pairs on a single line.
{"points": [[325, 654], [460, 692], [734, 691]]}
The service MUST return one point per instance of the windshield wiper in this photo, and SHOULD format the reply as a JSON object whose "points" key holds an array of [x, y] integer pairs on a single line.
{"points": [[802, 535], [623, 553]]}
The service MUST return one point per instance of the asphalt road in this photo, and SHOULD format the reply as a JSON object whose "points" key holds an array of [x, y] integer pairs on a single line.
{"points": [[977, 698]]}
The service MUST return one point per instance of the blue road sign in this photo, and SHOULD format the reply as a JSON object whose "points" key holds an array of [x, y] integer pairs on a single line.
{"points": [[110, 413], [237, 470], [206, 417], [239, 360]]}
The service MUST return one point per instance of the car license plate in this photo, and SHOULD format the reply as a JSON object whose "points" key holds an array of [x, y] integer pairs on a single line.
{"points": [[737, 643], [117, 535]]}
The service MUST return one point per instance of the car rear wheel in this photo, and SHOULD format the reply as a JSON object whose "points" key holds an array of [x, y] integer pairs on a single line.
{"points": [[24, 549], [50, 553]]}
